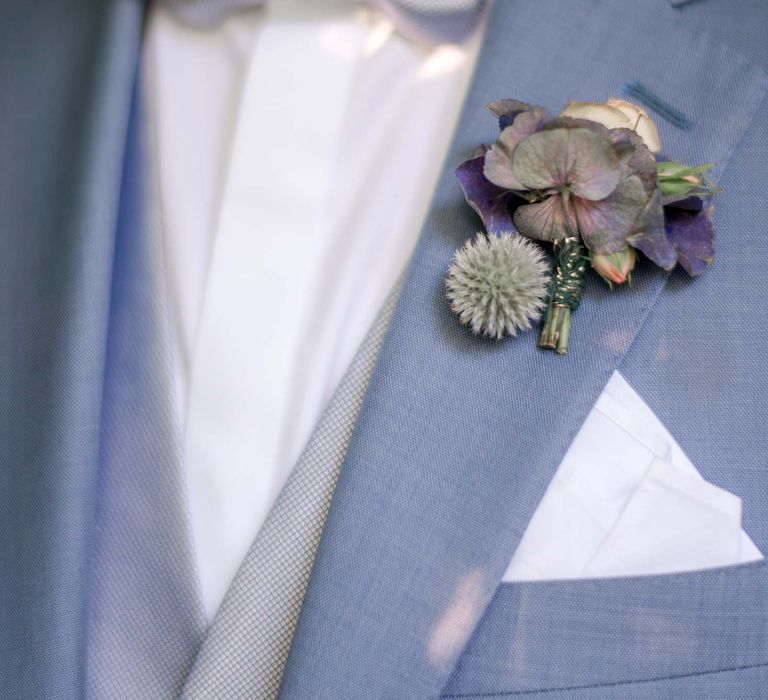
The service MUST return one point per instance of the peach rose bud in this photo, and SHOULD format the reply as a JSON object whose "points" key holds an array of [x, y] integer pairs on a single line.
{"points": [[615, 268]]}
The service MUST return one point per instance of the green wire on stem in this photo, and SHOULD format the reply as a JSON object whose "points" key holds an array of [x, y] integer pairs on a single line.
{"points": [[565, 288], [564, 294]]}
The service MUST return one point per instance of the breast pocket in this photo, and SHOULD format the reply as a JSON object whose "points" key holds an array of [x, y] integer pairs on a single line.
{"points": [[538, 636], [626, 500], [633, 569]]}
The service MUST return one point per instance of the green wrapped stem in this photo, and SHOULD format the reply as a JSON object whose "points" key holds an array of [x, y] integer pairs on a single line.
{"points": [[564, 293]]}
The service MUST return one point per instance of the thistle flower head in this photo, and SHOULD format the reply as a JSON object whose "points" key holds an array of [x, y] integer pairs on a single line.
{"points": [[497, 284]]}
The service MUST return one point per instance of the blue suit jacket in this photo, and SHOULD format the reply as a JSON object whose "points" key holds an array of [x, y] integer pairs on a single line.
{"points": [[457, 438]]}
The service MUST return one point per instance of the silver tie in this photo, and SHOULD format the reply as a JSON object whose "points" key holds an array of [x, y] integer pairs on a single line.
{"points": [[245, 651]]}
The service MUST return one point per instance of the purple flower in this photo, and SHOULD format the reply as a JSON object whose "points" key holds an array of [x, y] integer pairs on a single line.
{"points": [[584, 186], [692, 234], [588, 182], [556, 178], [493, 204]]}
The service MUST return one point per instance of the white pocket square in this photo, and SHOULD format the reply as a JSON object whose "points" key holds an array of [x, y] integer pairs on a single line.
{"points": [[626, 501]]}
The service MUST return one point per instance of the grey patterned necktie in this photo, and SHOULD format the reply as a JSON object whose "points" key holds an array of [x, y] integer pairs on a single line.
{"points": [[432, 21], [246, 648]]}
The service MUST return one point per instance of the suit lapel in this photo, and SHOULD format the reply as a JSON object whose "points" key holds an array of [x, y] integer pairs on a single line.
{"points": [[260, 610], [66, 73], [92, 503], [146, 619], [458, 437]]}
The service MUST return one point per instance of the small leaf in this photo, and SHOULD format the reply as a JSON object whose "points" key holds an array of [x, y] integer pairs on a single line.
{"points": [[672, 168], [669, 167], [674, 187], [674, 191]]}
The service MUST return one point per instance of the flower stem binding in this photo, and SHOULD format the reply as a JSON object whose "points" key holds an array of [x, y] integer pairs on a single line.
{"points": [[564, 293]]}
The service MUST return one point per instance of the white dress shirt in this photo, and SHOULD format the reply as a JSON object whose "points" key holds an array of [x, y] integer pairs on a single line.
{"points": [[297, 147]]}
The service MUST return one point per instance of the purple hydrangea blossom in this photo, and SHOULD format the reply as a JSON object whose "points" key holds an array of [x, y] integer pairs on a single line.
{"points": [[552, 178]]}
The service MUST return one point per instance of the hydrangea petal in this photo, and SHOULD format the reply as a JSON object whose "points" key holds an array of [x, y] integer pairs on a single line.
{"points": [[605, 225], [651, 237], [544, 221], [506, 111], [635, 157], [573, 123], [498, 159], [693, 235], [577, 159], [488, 200]]}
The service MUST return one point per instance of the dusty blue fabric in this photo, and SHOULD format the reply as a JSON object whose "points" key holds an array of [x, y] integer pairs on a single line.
{"points": [[66, 71], [741, 24], [458, 437], [570, 634], [743, 683]]}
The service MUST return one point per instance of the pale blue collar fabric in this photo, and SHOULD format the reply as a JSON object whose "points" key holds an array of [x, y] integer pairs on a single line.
{"points": [[432, 21]]}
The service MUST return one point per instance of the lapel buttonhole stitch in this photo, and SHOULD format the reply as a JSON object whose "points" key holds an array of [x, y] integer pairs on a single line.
{"points": [[635, 89], [680, 3]]}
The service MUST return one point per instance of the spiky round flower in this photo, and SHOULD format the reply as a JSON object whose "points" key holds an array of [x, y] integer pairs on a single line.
{"points": [[497, 284]]}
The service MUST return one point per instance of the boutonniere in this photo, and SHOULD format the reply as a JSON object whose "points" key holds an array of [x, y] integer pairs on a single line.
{"points": [[591, 184]]}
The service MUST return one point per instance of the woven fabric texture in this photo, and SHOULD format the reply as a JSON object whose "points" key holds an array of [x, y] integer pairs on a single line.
{"points": [[246, 649]]}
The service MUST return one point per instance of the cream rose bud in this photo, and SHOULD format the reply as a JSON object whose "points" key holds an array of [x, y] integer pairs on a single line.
{"points": [[643, 124], [617, 114], [615, 268]]}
